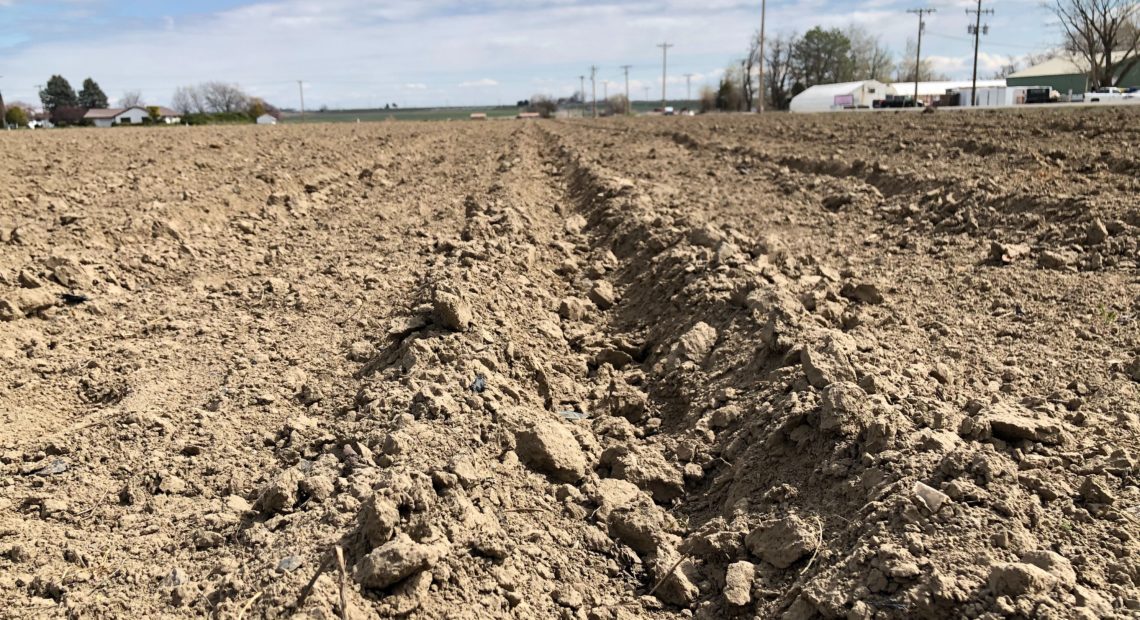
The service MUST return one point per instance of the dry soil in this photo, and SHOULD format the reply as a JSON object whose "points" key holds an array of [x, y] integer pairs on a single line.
{"points": [[854, 366]]}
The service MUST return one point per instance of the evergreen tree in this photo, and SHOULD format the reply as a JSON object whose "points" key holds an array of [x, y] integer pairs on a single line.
{"points": [[92, 96], [58, 94]]}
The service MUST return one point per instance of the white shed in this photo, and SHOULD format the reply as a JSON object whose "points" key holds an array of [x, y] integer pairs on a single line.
{"points": [[267, 119], [828, 97]]}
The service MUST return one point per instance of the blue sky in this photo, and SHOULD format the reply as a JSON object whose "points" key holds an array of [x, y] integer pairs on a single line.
{"points": [[364, 53]]}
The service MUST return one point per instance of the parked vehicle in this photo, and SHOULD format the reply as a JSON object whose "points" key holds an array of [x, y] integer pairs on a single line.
{"points": [[1042, 95], [1105, 93]]}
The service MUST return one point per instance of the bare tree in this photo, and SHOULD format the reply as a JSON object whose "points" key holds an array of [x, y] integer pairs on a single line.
{"points": [[188, 100], [778, 64], [1104, 33], [131, 99], [1011, 65], [871, 59], [222, 98], [905, 71]]}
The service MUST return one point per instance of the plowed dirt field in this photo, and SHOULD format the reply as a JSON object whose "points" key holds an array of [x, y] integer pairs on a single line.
{"points": [[855, 366]]}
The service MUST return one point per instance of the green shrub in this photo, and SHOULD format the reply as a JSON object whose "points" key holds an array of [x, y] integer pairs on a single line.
{"points": [[16, 116]]}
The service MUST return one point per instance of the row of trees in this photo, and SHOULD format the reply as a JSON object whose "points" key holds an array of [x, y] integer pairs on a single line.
{"points": [[794, 63], [219, 101]]}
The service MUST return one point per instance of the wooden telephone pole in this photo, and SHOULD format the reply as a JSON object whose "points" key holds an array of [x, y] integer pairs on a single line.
{"points": [[918, 54]]}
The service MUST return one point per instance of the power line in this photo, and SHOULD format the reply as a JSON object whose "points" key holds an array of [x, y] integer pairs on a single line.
{"points": [[664, 65], [918, 53], [977, 32]]}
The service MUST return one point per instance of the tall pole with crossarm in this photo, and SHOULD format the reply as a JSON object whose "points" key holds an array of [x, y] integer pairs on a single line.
{"points": [[922, 13], [763, 15], [664, 66]]}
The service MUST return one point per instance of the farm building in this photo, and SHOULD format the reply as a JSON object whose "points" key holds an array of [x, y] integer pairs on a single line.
{"points": [[168, 116], [929, 93], [828, 97], [1067, 75], [109, 117], [267, 119]]}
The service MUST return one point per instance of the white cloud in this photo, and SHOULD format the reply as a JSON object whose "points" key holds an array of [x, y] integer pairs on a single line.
{"points": [[483, 83], [414, 86]]}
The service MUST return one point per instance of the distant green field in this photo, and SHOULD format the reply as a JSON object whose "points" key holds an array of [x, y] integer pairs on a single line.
{"points": [[443, 114]]}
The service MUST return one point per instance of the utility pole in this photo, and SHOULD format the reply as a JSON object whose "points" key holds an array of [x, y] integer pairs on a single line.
{"points": [[605, 90], [977, 28], [582, 81], [301, 87], [646, 89], [664, 65], [594, 89], [3, 110], [628, 103], [689, 86], [763, 16], [918, 54]]}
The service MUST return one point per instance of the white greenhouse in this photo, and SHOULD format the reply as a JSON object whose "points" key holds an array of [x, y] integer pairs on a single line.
{"points": [[829, 97]]}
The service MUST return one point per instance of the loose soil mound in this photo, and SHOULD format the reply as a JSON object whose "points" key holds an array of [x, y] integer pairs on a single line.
{"points": [[872, 366]]}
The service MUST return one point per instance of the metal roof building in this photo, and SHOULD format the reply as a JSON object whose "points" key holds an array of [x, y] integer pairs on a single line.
{"points": [[1066, 74], [828, 97]]}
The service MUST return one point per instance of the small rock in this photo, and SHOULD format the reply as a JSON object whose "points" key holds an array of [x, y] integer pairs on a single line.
{"points": [[1005, 253], [574, 224], [783, 542], [845, 409], [9, 311], [930, 497], [568, 597], [1133, 369], [864, 293], [1009, 424], [238, 504], [29, 280], [176, 577], [827, 365], [1016, 579], [361, 351], [738, 583], [281, 494], [696, 344], [573, 309], [1052, 260], [550, 448], [172, 485], [379, 517], [1054, 564], [208, 540], [1096, 233], [451, 312], [395, 561], [289, 564], [603, 295], [613, 357], [677, 581], [1095, 491], [639, 525]]}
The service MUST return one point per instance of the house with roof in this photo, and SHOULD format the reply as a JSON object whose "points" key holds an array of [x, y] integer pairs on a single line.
{"points": [[109, 117]]}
